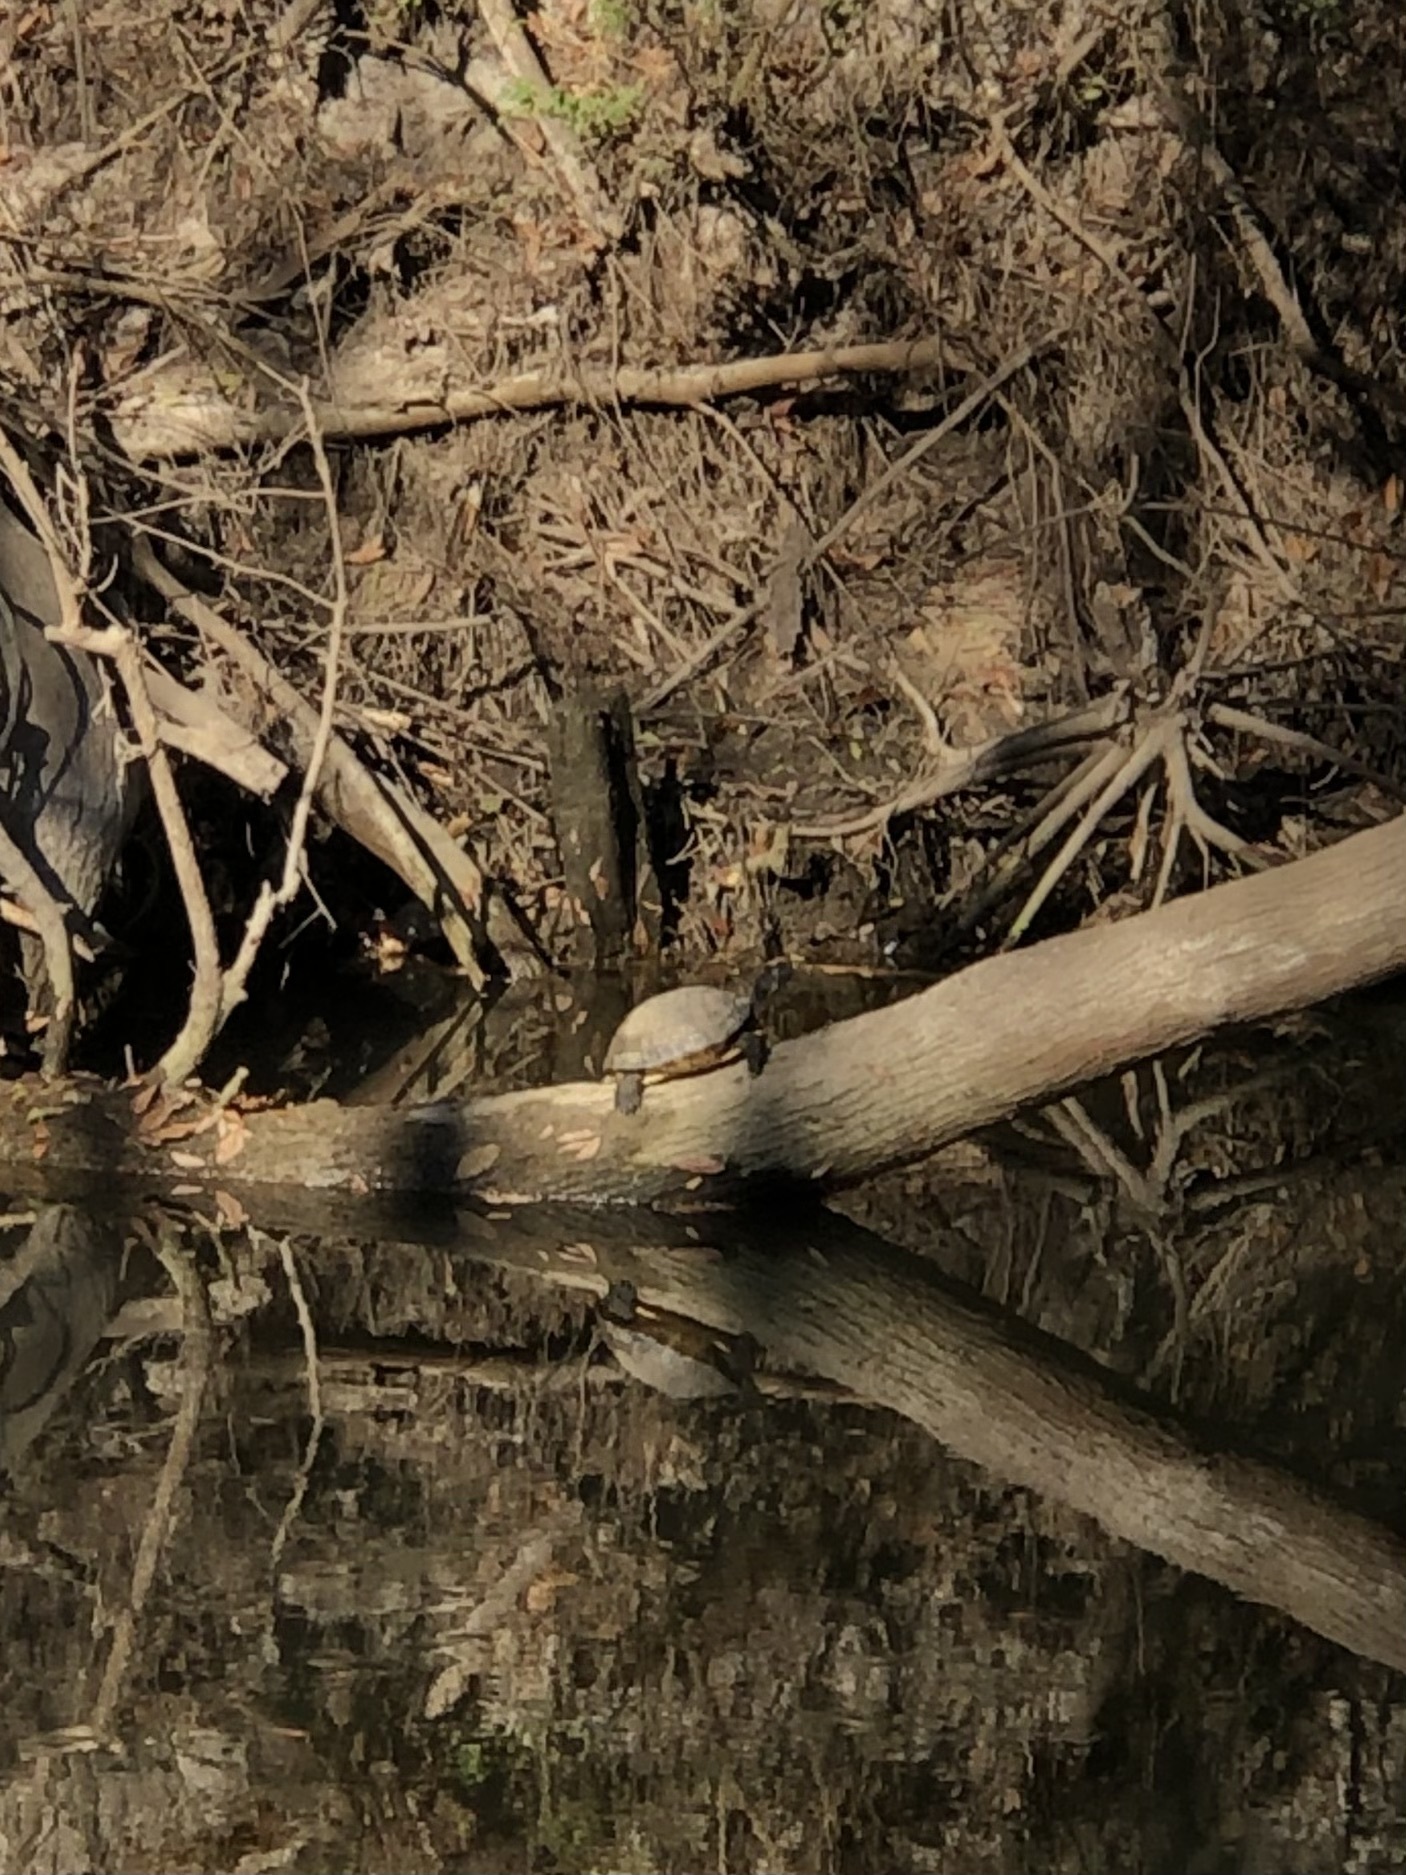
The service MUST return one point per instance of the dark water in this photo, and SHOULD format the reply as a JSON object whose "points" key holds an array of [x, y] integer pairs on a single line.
{"points": [[465, 1596]]}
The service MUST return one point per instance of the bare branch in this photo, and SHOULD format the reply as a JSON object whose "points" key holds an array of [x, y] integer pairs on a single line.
{"points": [[273, 898]]}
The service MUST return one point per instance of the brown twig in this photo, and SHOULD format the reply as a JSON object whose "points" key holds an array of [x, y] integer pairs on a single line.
{"points": [[1187, 811], [1113, 265], [1149, 749], [117, 644], [1070, 1120], [955, 418], [1163, 741], [379, 816], [1247, 724], [522, 64], [1011, 855], [14, 914], [1195, 136], [698, 660], [1252, 527], [185, 422]]}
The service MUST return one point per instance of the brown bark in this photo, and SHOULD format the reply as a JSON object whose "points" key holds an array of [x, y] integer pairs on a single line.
{"points": [[875, 1090], [382, 386], [586, 818]]}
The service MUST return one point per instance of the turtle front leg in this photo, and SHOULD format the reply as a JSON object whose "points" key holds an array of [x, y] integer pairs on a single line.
{"points": [[754, 1051], [629, 1092]]}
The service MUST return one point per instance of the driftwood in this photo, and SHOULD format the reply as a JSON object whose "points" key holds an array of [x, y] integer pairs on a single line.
{"points": [[878, 1089]]}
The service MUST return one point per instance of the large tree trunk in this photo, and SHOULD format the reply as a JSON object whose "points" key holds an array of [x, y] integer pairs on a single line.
{"points": [[65, 793]]}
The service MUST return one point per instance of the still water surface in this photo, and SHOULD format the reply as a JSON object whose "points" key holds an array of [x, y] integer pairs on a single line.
{"points": [[460, 1593]]}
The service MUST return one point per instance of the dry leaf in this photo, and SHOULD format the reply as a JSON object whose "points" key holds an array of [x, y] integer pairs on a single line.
{"points": [[541, 1595], [230, 1211], [232, 1135], [477, 1160]]}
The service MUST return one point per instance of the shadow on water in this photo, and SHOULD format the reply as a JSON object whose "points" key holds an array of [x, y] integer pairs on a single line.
{"points": [[475, 1597]]}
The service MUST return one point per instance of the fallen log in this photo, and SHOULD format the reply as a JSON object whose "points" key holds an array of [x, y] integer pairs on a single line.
{"points": [[876, 1090], [823, 1297]]}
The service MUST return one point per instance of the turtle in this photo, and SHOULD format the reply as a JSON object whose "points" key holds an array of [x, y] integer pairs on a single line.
{"points": [[683, 1031], [674, 1354], [680, 1360]]}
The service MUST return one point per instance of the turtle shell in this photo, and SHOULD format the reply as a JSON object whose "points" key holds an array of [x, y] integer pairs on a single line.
{"points": [[680, 1031], [683, 1367]]}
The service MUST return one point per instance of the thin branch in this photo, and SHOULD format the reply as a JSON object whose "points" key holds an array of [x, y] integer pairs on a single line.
{"points": [[1203, 829], [1252, 527], [936, 744], [195, 1374], [374, 812], [1053, 812], [988, 387], [1070, 1119], [272, 899], [202, 1014], [1250, 725], [312, 1375], [521, 62], [1002, 755], [193, 414]]}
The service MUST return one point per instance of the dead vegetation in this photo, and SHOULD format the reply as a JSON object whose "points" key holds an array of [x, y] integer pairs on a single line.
{"points": [[857, 388], [971, 444]]}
